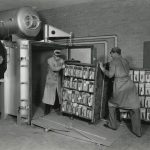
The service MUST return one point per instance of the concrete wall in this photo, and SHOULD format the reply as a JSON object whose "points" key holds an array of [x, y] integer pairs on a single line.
{"points": [[128, 19]]}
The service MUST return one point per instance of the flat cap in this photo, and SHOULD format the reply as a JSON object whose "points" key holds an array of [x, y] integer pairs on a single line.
{"points": [[116, 50], [57, 52]]}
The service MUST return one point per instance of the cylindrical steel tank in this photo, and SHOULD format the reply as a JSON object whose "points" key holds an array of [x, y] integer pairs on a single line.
{"points": [[22, 22]]}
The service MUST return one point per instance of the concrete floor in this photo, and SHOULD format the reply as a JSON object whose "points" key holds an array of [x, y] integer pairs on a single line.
{"points": [[16, 137], [128, 141]]}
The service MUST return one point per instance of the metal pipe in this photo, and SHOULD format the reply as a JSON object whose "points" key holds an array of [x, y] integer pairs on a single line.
{"points": [[99, 37], [94, 38]]}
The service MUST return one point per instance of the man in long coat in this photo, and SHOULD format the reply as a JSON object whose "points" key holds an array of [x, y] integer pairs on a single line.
{"points": [[53, 84], [125, 94]]}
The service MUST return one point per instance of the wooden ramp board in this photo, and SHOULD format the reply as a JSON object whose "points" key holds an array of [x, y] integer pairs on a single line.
{"points": [[78, 129]]}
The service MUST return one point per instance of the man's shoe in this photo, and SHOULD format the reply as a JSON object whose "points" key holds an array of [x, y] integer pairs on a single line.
{"points": [[107, 126], [136, 134], [57, 109]]}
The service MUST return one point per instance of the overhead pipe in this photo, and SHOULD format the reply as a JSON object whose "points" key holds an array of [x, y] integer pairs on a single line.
{"points": [[100, 37], [92, 38]]}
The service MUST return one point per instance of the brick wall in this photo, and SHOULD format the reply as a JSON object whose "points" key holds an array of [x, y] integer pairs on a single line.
{"points": [[128, 19]]}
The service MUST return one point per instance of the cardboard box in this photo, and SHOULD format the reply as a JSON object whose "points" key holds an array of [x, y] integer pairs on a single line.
{"points": [[79, 110], [80, 84], [69, 95], [136, 76], [131, 74], [74, 96], [148, 114], [85, 72], [66, 82], [74, 106], [91, 86], [147, 102], [69, 107], [74, 83], [142, 101], [85, 97], [91, 73], [64, 94], [79, 97], [147, 76], [141, 89], [90, 100], [79, 71], [89, 113], [85, 85], [143, 113], [70, 82], [71, 70], [84, 111], [64, 106], [142, 76], [147, 88], [66, 70]]}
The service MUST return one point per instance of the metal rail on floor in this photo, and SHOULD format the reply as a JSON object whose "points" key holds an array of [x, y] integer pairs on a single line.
{"points": [[68, 128]]}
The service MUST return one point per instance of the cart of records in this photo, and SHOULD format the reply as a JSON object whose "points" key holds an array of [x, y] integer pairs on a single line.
{"points": [[82, 91], [141, 78]]}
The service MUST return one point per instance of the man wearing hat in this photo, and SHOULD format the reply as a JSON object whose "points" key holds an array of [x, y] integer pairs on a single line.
{"points": [[52, 91], [125, 94]]}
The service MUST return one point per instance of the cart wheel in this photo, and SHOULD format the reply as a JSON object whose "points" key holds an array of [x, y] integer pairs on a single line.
{"points": [[46, 130], [71, 117], [90, 123]]}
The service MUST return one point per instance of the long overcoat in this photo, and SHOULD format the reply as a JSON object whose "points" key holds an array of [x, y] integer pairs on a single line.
{"points": [[125, 93], [53, 81]]}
